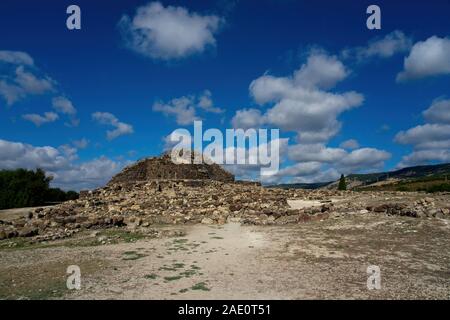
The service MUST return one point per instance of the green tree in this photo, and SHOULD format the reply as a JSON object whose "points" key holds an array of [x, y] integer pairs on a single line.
{"points": [[28, 188], [342, 183]]}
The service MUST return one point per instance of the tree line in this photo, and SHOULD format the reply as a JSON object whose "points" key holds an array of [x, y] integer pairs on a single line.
{"points": [[27, 188]]}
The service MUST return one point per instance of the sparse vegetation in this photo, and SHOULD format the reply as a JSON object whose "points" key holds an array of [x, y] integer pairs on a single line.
{"points": [[200, 286], [342, 183], [132, 255], [443, 187], [172, 278]]}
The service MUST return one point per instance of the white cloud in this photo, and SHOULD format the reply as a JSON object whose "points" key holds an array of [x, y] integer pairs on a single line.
{"points": [[364, 158], [87, 175], [350, 144], [32, 84], [320, 71], [11, 92], [248, 118], [328, 163], [63, 105], [205, 102], [427, 58], [422, 134], [425, 156], [24, 83], [300, 104], [431, 141], [438, 112], [315, 152], [169, 32], [359, 159], [393, 43], [39, 120], [326, 175], [18, 155], [300, 169], [16, 57], [184, 108], [59, 163], [107, 118]]}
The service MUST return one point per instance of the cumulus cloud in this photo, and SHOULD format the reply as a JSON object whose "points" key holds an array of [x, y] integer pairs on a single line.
{"points": [[315, 152], [39, 120], [184, 108], [438, 112], [300, 169], [391, 44], [320, 71], [169, 32], [300, 104], [346, 162], [421, 135], [430, 141], [87, 175], [59, 163], [19, 155], [425, 156], [364, 158], [350, 144], [303, 103], [248, 118], [427, 58], [107, 118]]}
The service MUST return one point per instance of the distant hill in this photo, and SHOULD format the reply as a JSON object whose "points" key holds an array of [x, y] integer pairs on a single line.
{"points": [[406, 179], [405, 173], [317, 185]]}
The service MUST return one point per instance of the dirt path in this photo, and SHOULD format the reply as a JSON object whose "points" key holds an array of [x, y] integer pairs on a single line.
{"points": [[323, 259]]}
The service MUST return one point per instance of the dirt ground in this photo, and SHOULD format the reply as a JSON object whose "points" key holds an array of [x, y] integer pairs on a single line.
{"points": [[315, 260], [11, 214]]}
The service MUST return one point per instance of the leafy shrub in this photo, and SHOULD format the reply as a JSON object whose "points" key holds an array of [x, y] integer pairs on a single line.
{"points": [[28, 188], [439, 188]]}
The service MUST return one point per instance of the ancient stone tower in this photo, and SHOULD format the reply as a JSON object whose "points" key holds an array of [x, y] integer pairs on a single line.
{"points": [[162, 168]]}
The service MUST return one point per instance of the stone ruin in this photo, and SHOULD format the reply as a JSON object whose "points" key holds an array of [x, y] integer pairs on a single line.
{"points": [[162, 168], [156, 191]]}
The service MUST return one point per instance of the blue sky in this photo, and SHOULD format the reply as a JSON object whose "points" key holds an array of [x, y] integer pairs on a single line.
{"points": [[215, 51]]}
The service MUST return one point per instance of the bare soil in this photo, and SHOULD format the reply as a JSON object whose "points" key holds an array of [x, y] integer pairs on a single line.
{"points": [[316, 260]]}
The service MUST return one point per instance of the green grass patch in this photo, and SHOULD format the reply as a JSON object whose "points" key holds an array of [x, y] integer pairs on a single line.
{"points": [[132, 255], [200, 286], [172, 278]]}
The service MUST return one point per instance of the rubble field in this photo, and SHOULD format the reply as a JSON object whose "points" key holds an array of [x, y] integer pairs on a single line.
{"points": [[142, 205], [161, 231]]}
